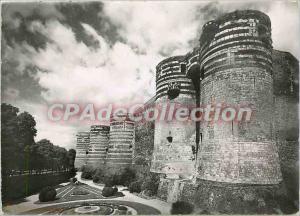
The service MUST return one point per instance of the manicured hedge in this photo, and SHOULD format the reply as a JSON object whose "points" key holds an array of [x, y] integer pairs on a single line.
{"points": [[181, 207], [47, 194]]}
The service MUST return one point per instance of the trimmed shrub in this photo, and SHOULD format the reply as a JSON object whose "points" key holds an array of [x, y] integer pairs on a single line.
{"points": [[115, 190], [124, 177], [73, 180], [47, 194], [127, 177], [98, 176], [181, 207], [109, 180], [135, 187], [87, 172], [123, 208], [108, 191], [119, 194], [96, 179]]}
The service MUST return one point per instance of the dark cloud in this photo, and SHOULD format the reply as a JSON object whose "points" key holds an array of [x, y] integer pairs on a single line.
{"points": [[90, 13], [17, 16], [16, 21], [24, 84]]}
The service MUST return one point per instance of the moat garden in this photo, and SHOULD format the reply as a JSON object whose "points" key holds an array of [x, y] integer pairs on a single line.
{"points": [[81, 196]]}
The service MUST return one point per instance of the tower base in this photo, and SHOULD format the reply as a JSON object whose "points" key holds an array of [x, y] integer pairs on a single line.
{"points": [[226, 198]]}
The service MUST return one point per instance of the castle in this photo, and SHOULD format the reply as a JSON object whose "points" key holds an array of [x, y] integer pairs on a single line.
{"points": [[111, 146], [216, 166]]}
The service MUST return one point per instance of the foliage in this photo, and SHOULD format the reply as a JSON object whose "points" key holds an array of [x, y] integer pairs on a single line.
{"points": [[181, 207], [122, 208], [115, 190], [151, 183], [87, 172], [71, 156], [111, 179], [127, 176], [20, 152], [135, 187], [98, 176], [108, 191], [47, 194], [73, 180]]}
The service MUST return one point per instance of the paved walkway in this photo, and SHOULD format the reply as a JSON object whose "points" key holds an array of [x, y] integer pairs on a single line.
{"points": [[30, 204]]}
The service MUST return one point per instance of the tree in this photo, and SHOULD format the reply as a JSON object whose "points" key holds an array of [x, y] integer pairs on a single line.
{"points": [[71, 156], [19, 150], [45, 148], [9, 138], [26, 133]]}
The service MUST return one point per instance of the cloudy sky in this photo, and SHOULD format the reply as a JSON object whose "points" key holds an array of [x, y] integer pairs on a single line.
{"points": [[106, 52]]}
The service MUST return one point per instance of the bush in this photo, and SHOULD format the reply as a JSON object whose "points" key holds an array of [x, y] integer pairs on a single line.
{"points": [[181, 207], [123, 208], [98, 176], [96, 179], [47, 194], [73, 172], [135, 187], [127, 176], [124, 177], [115, 190], [73, 180], [108, 191], [151, 184], [110, 180], [87, 172]]}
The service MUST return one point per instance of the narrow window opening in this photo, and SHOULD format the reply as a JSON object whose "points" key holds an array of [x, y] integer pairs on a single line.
{"points": [[170, 138], [201, 137], [183, 68]]}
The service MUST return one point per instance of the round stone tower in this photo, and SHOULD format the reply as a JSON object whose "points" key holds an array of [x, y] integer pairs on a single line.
{"points": [[82, 147], [236, 66], [99, 138], [174, 140], [121, 142]]}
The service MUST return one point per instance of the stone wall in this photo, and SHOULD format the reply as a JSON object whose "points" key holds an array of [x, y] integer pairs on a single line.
{"points": [[230, 198], [121, 142], [82, 147], [235, 57], [99, 139], [144, 142], [239, 165], [286, 121], [173, 140]]}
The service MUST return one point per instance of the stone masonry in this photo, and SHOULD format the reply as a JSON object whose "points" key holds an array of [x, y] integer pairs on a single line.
{"points": [[107, 146], [99, 139], [82, 148], [236, 163]]}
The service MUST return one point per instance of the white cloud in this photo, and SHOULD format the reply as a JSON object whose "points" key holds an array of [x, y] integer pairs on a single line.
{"points": [[124, 71], [76, 72], [284, 16], [155, 26]]}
